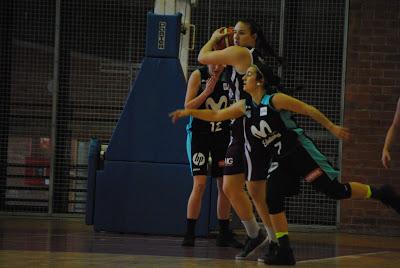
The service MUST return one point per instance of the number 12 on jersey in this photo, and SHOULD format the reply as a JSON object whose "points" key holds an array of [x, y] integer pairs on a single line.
{"points": [[216, 126]]}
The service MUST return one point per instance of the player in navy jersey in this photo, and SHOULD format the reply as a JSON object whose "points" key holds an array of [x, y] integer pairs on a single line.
{"points": [[250, 47], [289, 152], [208, 89]]}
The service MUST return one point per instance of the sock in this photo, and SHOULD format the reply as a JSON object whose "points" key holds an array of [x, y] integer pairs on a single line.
{"points": [[271, 234], [190, 226], [373, 192], [283, 239], [251, 227], [223, 226], [369, 192]]}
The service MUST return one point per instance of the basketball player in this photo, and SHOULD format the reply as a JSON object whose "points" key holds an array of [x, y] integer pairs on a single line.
{"points": [[250, 47], [207, 89]]}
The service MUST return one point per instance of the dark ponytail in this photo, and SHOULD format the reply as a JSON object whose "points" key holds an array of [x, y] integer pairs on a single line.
{"points": [[262, 45]]}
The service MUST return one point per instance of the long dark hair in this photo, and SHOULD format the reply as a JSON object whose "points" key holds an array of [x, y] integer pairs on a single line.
{"points": [[271, 81], [262, 45]]}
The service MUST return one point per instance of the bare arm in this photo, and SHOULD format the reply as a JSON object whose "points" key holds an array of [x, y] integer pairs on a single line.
{"points": [[192, 101], [284, 102], [234, 111], [390, 136], [236, 56]]}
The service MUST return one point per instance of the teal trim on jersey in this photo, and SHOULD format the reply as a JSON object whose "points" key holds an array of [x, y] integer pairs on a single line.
{"points": [[189, 125], [318, 157], [189, 148], [266, 99], [286, 117]]}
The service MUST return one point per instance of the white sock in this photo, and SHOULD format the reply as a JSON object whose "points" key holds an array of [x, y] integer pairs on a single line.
{"points": [[251, 227], [271, 234]]}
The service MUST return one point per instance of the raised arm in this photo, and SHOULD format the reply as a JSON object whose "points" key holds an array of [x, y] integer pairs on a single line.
{"points": [[392, 132], [232, 112], [284, 102], [236, 56]]}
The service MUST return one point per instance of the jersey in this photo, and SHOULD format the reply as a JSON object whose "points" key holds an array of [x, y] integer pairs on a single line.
{"points": [[219, 99], [236, 93], [269, 130]]}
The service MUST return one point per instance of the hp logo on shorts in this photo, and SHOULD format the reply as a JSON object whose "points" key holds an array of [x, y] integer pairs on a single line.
{"points": [[198, 159]]}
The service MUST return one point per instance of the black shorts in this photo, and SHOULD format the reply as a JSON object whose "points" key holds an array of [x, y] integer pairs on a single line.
{"points": [[257, 163], [305, 161], [200, 146], [234, 159]]}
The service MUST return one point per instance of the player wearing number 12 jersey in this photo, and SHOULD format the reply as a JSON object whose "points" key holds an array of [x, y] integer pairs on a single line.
{"points": [[208, 89]]}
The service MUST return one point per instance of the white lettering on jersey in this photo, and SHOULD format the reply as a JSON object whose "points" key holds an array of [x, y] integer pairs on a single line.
{"points": [[222, 103], [265, 133], [198, 159]]}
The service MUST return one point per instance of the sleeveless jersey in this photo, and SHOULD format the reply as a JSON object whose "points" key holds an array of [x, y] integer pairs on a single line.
{"points": [[236, 93], [219, 99], [269, 130]]}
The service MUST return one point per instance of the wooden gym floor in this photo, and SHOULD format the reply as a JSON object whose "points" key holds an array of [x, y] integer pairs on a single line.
{"points": [[36, 242]]}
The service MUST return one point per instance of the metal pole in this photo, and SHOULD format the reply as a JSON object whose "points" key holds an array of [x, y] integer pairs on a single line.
{"points": [[344, 58], [56, 67], [281, 34]]}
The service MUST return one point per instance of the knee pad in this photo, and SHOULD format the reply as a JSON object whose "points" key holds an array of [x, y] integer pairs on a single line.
{"points": [[275, 205], [334, 189]]}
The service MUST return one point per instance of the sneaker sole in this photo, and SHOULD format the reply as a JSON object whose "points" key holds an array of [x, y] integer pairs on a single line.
{"points": [[253, 252]]}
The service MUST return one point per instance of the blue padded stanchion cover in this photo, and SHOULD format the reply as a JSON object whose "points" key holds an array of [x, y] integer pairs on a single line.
{"points": [[146, 181], [93, 161], [144, 131], [162, 41]]}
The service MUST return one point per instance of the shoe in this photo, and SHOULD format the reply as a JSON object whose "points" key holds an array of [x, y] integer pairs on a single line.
{"points": [[283, 256], [387, 195], [271, 251], [251, 245], [228, 240], [188, 241]]}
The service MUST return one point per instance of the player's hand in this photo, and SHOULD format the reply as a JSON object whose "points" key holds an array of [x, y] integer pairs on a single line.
{"points": [[178, 114], [218, 35], [341, 133], [386, 158]]}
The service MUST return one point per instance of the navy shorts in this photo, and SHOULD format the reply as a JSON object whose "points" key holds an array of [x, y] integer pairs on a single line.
{"points": [[304, 162], [234, 159], [202, 145]]}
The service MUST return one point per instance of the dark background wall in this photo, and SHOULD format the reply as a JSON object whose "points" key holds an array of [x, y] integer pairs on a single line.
{"points": [[371, 93]]}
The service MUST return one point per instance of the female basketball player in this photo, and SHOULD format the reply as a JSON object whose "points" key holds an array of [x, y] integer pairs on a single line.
{"points": [[207, 89], [250, 47], [291, 154]]}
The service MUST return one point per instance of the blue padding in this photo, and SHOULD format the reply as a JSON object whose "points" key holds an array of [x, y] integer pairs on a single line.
{"points": [[144, 132], [145, 198], [163, 35], [93, 162]]}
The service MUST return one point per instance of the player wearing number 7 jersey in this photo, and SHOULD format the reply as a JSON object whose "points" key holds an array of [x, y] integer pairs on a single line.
{"points": [[271, 136], [208, 89]]}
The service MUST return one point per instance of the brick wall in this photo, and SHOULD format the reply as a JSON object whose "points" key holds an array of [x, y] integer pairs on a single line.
{"points": [[372, 89]]}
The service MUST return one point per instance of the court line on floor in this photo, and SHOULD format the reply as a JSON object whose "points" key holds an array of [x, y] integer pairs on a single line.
{"points": [[354, 256]]}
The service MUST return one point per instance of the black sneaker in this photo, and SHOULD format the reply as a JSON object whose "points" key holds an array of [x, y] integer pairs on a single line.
{"points": [[228, 240], [271, 251], [251, 245], [283, 256], [387, 195], [188, 241]]}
